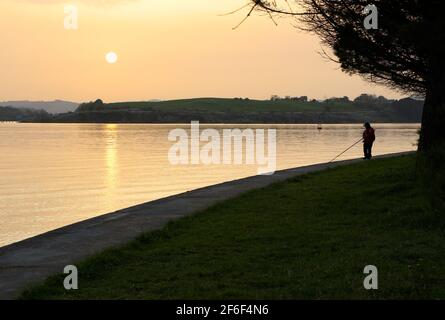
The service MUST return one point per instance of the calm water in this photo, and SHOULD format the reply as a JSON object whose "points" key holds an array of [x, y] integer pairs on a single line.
{"points": [[52, 175]]}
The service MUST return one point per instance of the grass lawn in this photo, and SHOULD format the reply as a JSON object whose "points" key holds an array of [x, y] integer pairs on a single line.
{"points": [[307, 238]]}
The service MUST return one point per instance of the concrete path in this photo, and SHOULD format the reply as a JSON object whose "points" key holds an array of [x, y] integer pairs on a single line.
{"points": [[32, 260]]}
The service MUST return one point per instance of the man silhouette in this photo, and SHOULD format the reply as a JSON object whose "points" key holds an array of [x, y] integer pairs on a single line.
{"points": [[368, 140]]}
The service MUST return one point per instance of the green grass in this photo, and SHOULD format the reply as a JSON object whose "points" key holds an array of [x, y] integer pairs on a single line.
{"points": [[232, 105], [307, 238]]}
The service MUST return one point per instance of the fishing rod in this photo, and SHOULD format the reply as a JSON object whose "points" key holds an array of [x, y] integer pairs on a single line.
{"points": [[346, 150]]}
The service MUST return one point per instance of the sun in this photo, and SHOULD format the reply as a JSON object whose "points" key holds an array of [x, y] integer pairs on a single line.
{"points": [[111, 57]]}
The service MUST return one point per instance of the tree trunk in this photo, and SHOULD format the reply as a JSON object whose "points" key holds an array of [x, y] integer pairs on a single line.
{"points": [[432, 136]]}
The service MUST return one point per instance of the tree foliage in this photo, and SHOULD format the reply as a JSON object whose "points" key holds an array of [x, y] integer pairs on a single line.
{"points": [[405, 52]]}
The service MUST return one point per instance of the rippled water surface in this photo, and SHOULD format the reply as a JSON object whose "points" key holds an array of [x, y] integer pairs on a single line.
{"points": [[52, 175]]}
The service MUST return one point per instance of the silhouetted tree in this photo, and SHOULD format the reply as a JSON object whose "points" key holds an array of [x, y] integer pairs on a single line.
{"points": [[97, 105], [406, 51]]}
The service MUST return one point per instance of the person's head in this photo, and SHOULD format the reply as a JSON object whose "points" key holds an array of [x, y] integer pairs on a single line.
{"points": [[367, 125]]}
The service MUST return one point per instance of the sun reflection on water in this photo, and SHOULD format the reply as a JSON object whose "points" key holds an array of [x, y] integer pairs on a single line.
{"points": [[111, 160]]}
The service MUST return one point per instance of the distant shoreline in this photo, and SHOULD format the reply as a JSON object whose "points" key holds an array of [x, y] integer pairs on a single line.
{"points": [[234, 111], [221, 123], [164, 117]]}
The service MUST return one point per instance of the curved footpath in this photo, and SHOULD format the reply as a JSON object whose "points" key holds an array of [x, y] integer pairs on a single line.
{"points": [[34, 259]]}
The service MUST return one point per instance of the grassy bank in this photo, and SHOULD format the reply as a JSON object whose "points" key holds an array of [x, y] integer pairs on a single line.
{"points": [[307, 238]]}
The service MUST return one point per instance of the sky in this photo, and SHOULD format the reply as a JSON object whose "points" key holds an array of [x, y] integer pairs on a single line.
{"points": [[165, 49]]}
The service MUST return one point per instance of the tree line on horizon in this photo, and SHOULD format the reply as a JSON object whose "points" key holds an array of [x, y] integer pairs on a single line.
{"points": [[22, 114], [364, 100]]}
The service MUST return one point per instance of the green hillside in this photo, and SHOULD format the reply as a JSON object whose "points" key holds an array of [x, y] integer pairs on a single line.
{"points": [[232, 105], [239, 110]]}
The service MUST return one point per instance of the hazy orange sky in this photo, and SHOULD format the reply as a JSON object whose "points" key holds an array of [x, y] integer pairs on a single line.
{"points": [[166, 49]]}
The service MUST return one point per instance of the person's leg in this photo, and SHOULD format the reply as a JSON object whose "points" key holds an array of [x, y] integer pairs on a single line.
{"points": [[365, 151], [370, 151]]}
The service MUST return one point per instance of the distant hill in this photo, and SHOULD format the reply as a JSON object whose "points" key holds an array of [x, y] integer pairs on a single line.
{"points": [[55, 107], [242, 110]]}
